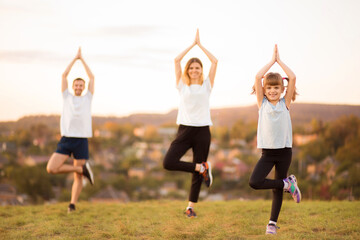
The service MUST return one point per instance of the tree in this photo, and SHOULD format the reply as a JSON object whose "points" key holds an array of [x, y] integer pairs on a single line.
{"points": [[33, 181]]}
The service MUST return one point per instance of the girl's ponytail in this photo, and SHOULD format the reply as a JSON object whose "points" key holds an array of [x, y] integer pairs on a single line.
{"points": [[294, 93]]}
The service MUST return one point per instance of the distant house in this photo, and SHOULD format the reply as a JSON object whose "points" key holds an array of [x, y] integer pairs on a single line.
{"points": [[106, 158], [8, 195], [3, 161], [214, 146], [33, 160], [110, 195], [7, 146], [222, 154], [3, 146], [157, 146], [159, 175], [300, 139], [136, 172], [140, 149], [155, 155], [106, 176], [328, 166], [233, 153], [217, 165], [140, 145], [167, 131], [311, 169], [215, 197], [149, 163], [227, 154], [234, 170], [103, 133], [167, 188], [40, 142], [139, 132], [229, 173], [238, 142]]}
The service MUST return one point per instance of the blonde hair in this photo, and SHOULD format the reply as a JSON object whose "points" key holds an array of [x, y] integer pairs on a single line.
{"points": [[275, 79], [186, 77]]}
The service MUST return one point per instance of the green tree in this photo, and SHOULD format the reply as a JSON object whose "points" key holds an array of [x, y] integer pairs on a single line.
{"points": [[340, 130], [33, 181]]}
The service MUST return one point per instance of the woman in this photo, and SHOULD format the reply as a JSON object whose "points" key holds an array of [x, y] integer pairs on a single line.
{"points": [[194, 121]]}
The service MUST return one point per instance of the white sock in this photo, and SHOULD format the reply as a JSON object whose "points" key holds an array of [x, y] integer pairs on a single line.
{"points": [[272, 222], [188, 208], [286, 184], [202, 168]]}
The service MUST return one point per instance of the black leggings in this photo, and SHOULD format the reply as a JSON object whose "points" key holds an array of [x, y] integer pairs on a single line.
{"points": [[197, 138], [281, 159]]}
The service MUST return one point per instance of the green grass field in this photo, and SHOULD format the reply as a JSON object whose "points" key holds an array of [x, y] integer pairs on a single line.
{"points": [[165, 220]]}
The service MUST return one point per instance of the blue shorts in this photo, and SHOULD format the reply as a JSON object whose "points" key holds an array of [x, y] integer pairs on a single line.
{"points": [[79, 147]]}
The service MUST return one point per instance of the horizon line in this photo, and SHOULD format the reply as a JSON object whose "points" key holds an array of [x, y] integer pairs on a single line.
{"points": [[168, 111]]}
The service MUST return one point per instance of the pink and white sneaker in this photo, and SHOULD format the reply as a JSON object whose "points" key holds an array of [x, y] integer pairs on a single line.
{"points": [[293, 188], [271, 229]]}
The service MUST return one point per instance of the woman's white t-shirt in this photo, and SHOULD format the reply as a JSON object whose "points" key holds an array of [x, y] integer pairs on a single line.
{"points": [[194, 107], [274, 125], [76, 116]]}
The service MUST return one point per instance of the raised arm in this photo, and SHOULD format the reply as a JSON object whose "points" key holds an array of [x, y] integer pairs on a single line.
{"points": [[259, 76], [211, 57], [88, 72], [64, 82], [178, 62], [292, 80]]}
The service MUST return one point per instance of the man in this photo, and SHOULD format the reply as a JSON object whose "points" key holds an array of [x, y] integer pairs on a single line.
{"points": [[75, 127]]}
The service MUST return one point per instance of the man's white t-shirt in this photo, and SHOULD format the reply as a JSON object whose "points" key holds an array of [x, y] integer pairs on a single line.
{"points": [[194, 107], [76, 116]]}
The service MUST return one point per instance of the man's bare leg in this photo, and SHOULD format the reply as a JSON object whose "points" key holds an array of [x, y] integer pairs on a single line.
{"points": [[77, 185], [56, 165]]}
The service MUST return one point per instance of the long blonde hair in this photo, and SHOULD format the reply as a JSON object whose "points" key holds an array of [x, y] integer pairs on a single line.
{"points": [[186, 77], [272, 79]]}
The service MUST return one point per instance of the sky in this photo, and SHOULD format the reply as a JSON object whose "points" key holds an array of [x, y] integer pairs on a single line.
{"points": [[130, 46]]}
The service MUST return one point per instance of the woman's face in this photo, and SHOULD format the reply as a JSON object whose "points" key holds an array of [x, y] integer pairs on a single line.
{"points": [[195, 70]]}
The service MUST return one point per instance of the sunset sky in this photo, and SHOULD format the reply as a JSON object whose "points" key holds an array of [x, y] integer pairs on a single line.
{"points": [[130, 47]]}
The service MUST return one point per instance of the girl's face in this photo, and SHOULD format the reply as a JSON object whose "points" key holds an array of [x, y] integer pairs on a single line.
{"points": [[273, 92], [195, 70]]}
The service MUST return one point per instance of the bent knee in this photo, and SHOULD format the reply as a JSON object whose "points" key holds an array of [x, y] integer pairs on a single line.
{"points": [[78, 176], [51, 170], [167, 165], [254, 184]]}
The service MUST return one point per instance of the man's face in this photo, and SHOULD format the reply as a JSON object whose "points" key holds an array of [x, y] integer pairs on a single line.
{"points": [[78, 87]]}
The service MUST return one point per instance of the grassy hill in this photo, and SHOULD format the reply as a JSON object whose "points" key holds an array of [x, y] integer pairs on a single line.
{"points": [[165, 220], [300, 113]]}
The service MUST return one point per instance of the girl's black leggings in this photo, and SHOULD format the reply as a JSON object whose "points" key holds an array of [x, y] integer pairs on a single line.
{"points": [[281, 159], [197, 138]]}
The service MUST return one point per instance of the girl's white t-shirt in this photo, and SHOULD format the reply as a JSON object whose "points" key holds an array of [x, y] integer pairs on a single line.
{"points": [[194, 107], [274, 125], [76, 116]]}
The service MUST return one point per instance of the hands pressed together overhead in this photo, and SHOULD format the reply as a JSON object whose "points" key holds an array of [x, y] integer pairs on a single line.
{"points": [[78, 55], [197, 38], [276, 56]]}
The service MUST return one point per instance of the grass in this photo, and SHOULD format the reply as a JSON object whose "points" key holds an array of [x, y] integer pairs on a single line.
{"points": [[165, 220]]}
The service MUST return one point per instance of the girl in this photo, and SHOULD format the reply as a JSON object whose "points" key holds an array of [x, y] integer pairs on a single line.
{"points": [[194, 121], [274, 136]]}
